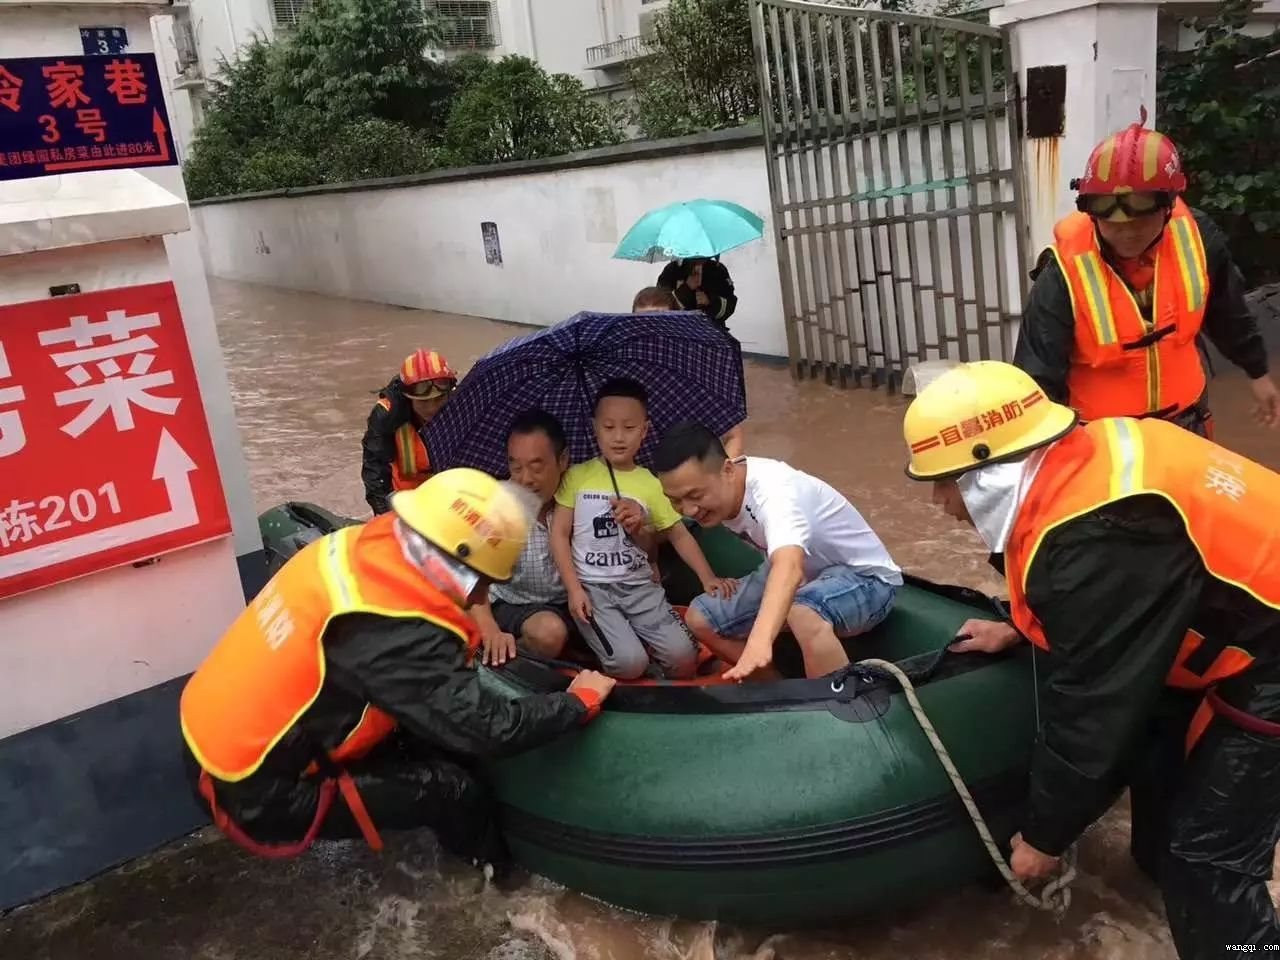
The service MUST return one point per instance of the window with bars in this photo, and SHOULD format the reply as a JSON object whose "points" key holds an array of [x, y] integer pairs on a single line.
{"points": [[289, 12], [466, 24]]}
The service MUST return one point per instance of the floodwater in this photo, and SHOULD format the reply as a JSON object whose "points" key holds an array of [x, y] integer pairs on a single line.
{"points": [[304, 370]]}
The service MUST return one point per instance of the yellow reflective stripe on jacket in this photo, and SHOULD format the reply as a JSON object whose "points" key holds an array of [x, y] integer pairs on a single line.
{"points": [[1191, 261], [406, 450], [339, 581], [1124, 443], [1095, 287]]}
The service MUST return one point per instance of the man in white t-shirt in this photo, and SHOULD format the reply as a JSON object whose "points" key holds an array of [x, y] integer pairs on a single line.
{"points": [[827, 575]]}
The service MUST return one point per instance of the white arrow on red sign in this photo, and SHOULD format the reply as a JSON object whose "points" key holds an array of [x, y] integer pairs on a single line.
{"points": [[174, 467]]}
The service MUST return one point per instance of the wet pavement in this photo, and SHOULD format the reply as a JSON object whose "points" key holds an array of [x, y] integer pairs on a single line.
{"points": [[304, 370]]}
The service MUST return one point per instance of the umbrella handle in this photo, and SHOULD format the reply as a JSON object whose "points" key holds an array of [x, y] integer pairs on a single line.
{"points": [[604, 641]]}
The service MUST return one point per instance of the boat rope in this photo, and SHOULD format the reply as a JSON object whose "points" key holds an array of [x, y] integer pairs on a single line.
{"points": [[1054, 896]]}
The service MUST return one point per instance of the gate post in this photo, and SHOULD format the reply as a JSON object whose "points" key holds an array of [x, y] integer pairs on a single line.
{"points": [[128, 535], [1107, 51]]}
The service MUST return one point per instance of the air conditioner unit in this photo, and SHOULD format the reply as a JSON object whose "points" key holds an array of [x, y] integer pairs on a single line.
{"points": [[184, 38]]}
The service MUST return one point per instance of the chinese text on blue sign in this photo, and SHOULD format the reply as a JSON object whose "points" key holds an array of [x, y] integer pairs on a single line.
{"points": [[62, 114], [100, 41]]}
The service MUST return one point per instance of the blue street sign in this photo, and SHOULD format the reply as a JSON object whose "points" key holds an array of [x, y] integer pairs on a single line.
{"points": [[62, 114], [101, 41]]}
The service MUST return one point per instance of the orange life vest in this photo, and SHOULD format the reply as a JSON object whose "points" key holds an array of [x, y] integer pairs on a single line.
{"points": [[412, 466], [1124, 364], [269, 668], [1228, 504]]}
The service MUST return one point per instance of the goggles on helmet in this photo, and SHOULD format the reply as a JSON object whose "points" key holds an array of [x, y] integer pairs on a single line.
{"points": [[430, 389], [1123, 206]]}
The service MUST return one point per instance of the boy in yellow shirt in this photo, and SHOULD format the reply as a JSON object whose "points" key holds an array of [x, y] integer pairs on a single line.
{"points": [[610, 515]]}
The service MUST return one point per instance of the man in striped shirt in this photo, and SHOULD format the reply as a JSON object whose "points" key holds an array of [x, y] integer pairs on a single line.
{"points": [[531, 612]]}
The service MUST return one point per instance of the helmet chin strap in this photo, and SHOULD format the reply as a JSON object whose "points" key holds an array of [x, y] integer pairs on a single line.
{"points": [[452, 578]]}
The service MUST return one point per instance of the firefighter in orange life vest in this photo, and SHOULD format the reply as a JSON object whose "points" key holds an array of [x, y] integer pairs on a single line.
{"points": [[1131, 280], [344, 699], [1143, 563], [395, 457]]}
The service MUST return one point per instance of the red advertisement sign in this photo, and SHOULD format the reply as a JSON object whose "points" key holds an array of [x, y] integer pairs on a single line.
{"points": [[105, 456]]}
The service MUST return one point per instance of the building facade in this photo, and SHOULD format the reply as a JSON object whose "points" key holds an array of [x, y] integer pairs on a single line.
{"points": [[592, 40]]}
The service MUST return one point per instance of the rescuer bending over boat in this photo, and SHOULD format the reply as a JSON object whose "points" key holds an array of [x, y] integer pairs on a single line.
{"points": [[1142, 560], [351, 675]]}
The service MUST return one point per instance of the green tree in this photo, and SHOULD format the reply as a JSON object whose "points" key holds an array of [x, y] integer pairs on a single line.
{"points": [[239, 115], [515, 110], [374, 148], [349, 95], [700, 73], [1220, 102], [361, 58]]}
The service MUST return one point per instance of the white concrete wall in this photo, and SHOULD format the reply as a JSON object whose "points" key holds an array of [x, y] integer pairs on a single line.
{"points": [[183, 110], [223, 26], [421, 246], [44, 29], [1109, 51], [563, 30]]}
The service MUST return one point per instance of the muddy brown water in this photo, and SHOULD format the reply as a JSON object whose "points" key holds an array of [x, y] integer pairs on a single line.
{"points": [[303, 370]]}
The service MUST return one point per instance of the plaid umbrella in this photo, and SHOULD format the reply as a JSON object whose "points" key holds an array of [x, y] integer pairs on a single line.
{"points": [[691, 370]]}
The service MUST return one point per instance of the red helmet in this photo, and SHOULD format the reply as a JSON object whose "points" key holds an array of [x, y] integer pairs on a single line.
{"points": [[426, 374], [1135, 160]]}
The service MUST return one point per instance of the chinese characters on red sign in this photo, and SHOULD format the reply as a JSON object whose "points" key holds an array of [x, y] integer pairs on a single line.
{"points": [[81, 113], [973, 426], [103, 441]]}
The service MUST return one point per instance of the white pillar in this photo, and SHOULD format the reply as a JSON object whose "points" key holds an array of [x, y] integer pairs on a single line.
{"points": [[1109, 50]]}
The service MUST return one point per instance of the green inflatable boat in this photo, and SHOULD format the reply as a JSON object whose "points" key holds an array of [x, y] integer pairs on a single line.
{"points": [[778, 803]]}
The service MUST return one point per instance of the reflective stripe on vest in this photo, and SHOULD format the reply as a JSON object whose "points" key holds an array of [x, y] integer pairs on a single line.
{"points": [[1226, 502], [1122, 363], [411, 467], [268, 669]]}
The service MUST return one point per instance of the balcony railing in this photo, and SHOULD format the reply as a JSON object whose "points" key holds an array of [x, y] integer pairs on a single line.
{"points": [[617, 51]]}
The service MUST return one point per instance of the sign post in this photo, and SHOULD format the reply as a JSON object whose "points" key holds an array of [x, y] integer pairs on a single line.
{"points": [[63, 114], [103, 437]]}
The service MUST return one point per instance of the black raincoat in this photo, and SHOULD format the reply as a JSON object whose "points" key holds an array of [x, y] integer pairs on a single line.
{"points": [[423, 775], [1116, 591], [379, 445], [716, 284]]}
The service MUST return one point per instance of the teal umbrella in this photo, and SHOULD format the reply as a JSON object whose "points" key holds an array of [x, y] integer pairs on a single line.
{"points": [[692, 228]]}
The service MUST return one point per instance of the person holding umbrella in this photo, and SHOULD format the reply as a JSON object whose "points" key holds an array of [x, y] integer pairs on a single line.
{"points": [[690, 371], [703, 284], [692, 235]]}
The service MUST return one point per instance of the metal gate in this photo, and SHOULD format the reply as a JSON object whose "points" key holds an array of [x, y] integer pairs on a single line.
{"points": [[895, 177]]}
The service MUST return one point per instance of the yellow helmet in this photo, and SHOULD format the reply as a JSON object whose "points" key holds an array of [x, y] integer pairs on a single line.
{"points": [[481, 522], [978, 413]]}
